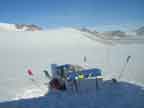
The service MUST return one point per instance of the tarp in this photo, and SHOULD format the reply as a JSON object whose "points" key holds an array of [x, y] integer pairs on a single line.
{"points": [[65, 65], [84, 74]]}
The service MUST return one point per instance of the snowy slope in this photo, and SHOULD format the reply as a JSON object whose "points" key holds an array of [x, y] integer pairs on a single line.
{"points": [[37, 50]]}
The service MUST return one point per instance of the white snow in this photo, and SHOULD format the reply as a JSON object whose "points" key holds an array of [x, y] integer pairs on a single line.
{"points": [[7, 27], [37, 50]]}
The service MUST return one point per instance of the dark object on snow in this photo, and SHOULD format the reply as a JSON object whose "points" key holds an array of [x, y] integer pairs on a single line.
{"points": [[114, 80], [124, 68], [47, 74], [57, 84]]}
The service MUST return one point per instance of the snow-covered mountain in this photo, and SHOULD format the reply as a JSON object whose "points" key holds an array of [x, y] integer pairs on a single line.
{"points": [[140, 31], [116, 36], [114, 33], [19, 27]]}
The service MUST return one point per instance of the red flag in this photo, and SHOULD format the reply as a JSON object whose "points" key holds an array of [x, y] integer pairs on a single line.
{"points": [[29, 71]]}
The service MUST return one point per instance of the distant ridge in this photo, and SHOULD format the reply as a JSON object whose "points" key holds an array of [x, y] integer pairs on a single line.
{"points": [[19, 27]]}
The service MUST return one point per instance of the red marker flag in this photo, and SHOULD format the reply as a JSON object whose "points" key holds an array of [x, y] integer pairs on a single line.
{"points": [[29, 71]]}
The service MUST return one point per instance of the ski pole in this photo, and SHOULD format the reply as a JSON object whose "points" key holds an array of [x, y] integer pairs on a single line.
{"points": [[124, 68]]}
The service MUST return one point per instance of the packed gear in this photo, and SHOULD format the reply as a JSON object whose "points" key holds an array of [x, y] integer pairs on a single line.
{"points": [[57, 84]]}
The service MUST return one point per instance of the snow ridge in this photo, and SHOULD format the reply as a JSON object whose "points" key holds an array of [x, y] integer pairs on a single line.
{"points": [[19, 27]]}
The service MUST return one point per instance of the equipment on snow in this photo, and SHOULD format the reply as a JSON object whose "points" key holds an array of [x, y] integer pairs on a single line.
{"points": [[124, 68]]}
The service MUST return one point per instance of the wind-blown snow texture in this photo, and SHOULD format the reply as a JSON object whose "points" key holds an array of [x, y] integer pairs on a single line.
{"points": [[110, 95]]}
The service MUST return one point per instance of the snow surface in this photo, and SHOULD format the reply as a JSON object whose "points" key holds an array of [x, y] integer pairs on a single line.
{"points": [[110, 95], [8, 27], [37, 50]]}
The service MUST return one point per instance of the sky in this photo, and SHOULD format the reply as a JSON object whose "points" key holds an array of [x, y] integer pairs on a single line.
{"points": [[73, 13]]}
